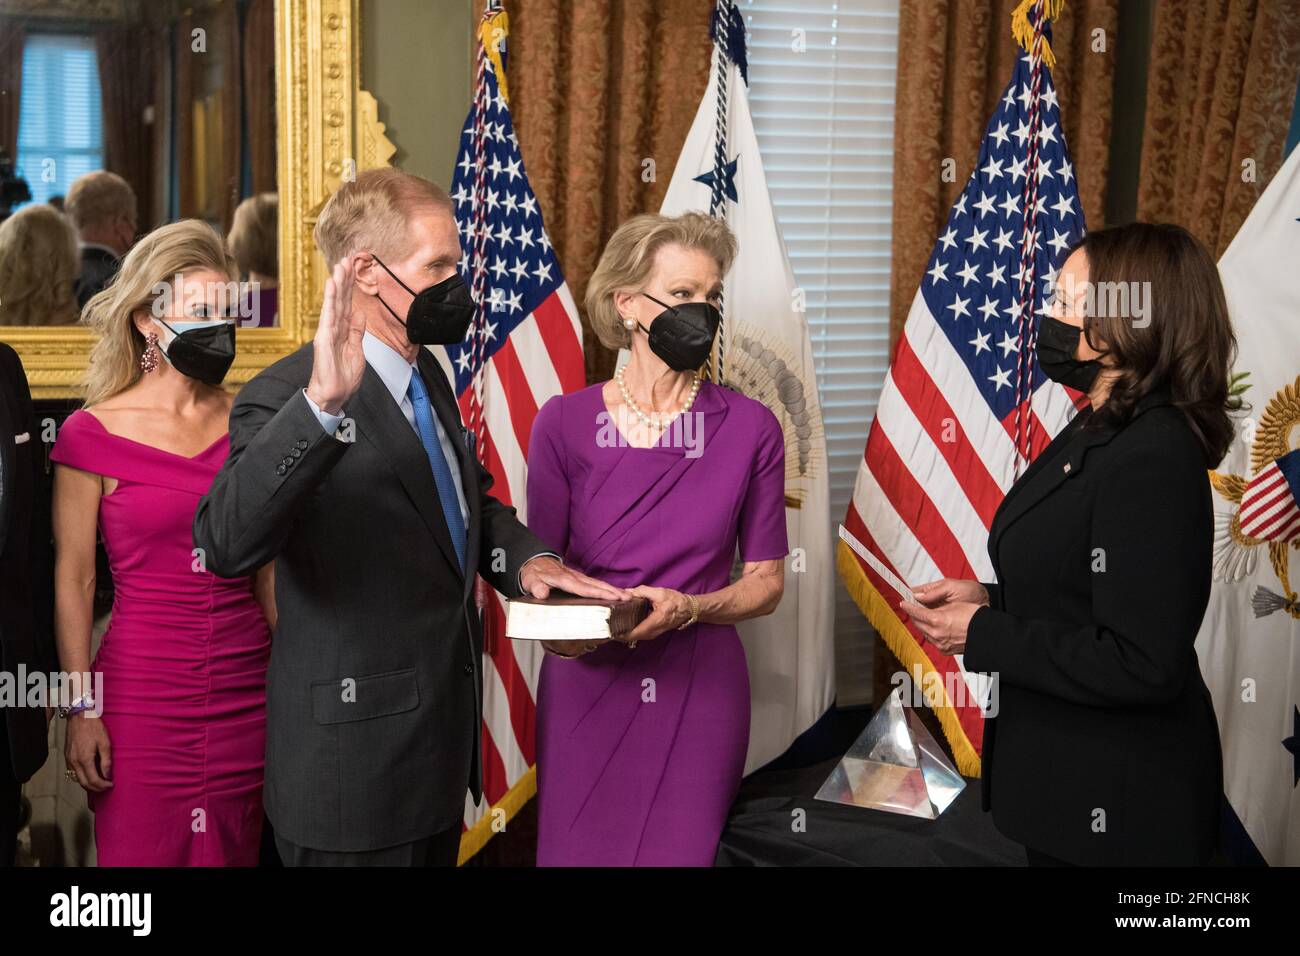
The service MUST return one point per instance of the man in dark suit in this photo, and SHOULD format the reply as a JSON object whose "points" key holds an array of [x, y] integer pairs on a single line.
{"points": [[102, 207], [350, 469], [26, 591]]}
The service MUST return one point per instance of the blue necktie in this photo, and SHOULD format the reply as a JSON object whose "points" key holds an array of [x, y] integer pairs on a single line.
{"points": [[419, 396]]}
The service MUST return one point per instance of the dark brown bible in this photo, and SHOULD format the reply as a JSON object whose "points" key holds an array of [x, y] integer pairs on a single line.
{"points": [[567, 617]]}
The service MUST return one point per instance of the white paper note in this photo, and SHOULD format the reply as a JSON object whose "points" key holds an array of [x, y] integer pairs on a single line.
{"points": [[877, 565]]}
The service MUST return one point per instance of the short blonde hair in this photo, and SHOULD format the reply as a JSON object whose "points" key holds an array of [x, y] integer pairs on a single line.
{"points": [[154, 261], [629, 257], [97, 197], [39, 262], [372, 212], [254, 238]]}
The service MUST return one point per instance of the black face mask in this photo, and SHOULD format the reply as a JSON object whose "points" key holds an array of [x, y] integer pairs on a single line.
{"points": [[682, 335], [438, 315], [1058, 344], [205, 354]]}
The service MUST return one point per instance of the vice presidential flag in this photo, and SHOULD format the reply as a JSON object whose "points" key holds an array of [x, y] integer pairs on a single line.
{"points": [[964, 406], [524, 346], [766, 354], [1249, 644]]}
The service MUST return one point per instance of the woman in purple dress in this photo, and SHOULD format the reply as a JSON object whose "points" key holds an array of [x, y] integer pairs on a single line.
{"points": [[171, 754], [652, 481]]}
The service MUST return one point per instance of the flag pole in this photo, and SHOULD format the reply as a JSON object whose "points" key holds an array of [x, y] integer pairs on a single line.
{"points": [[1027, 26]]}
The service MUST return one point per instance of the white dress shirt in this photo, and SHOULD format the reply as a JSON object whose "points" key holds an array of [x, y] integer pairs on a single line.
{"points": [[395, 372]]}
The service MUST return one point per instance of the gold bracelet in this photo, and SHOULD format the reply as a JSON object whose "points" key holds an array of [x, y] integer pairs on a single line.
{"points": [[695, 611]]}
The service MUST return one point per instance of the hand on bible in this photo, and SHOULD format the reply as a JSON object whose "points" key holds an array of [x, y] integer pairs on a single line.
{"points": [[544, 572]]}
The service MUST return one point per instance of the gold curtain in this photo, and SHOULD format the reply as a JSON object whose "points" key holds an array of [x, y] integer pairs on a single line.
{"points": [[1221, 86], [597, 89], [227, 17], [954, 58], [259, 92], [187, 189], [12, 38]]}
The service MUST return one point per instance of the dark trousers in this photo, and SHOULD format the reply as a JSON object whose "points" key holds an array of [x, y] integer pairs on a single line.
{"points": [[11, 795], [441, 849]]}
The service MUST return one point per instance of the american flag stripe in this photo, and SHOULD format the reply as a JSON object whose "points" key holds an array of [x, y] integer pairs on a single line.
{"points": [[964, 369], [518, 396], [915, 506], [946, 493], [563, 339], [931, 407], [524, 346], [942, 368]]}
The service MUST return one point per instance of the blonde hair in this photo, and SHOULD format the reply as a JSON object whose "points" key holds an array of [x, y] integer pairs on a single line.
{"points": [[372, 212], [254, 238], [629, 258], [153, 263], [39, 263], [98, 197]]}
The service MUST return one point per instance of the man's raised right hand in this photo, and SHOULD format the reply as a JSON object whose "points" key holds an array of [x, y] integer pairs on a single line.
{"points": [[338, 361]]}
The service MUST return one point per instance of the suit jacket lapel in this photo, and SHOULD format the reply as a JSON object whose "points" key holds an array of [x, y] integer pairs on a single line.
{"points": [[10, 422], [448, 412], [1042, 478], [392, 436]]}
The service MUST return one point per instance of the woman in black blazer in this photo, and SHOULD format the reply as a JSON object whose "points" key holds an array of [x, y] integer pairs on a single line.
{"points": [[1101, 745]]}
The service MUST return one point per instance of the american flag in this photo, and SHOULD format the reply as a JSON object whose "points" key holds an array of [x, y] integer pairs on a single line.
{"points": [[1270, 505], [964, 406], [524, 346]]}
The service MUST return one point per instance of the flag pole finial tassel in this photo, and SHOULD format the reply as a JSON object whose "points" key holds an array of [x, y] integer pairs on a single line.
{"points": [[1024, 28], [492, 33]]}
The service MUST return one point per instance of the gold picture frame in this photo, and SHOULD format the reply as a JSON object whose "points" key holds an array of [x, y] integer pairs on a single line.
{"points": [[328, 129]]}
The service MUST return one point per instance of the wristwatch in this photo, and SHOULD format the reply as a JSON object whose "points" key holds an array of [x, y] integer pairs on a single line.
{"points": [[84, 702]]}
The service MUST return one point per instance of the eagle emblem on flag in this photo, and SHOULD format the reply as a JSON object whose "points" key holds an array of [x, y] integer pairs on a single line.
{"points": [[1267, 516]]}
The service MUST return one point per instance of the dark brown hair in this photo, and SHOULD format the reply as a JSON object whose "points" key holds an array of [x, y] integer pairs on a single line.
{"points": [[1181, 343]]}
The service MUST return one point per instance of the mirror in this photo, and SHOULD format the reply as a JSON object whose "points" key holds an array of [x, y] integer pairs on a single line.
{"points": [[118, 116], [245, 113]]}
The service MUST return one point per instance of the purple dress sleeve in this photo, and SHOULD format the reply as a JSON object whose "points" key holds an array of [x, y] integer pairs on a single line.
{"points": [[762, 514], [548, 482]]}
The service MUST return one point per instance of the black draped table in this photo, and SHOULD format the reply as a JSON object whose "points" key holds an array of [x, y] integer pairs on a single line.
{"points": [[760, 829]]}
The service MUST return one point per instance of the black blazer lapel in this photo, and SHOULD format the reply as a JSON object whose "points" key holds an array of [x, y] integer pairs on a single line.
{"points": [[10, 422], [392, 436], [1046, 473]]}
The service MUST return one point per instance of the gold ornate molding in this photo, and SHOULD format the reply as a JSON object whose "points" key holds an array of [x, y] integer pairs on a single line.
{"points": [[328, 129]]}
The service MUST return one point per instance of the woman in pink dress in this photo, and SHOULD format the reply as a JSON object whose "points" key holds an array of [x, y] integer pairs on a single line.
{"points": [[168, 738]]}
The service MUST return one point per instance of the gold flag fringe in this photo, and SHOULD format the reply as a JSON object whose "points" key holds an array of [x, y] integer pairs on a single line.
{"points": [[904, 646], [1023, 30]]}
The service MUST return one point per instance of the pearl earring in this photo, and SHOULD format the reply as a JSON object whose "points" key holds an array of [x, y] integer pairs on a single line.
{"points": [[629, 324]]}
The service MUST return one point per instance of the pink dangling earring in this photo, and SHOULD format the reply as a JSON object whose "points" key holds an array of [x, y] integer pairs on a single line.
{"points": [[149, 357]]}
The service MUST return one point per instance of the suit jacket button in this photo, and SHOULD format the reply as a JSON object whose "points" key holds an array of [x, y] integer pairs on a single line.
{"points": [[469, 670], [296, 453], [302, 443], [280, 469]]}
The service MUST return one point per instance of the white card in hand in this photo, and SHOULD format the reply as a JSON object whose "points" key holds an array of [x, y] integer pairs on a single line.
{"points": [[877, 565]]}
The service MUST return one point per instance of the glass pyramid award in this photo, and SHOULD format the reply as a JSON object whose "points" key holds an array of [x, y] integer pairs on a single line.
{"points": [[896, 766]]}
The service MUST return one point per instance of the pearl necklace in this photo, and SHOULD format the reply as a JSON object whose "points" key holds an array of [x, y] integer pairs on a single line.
{"points": [[658, 420]]}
